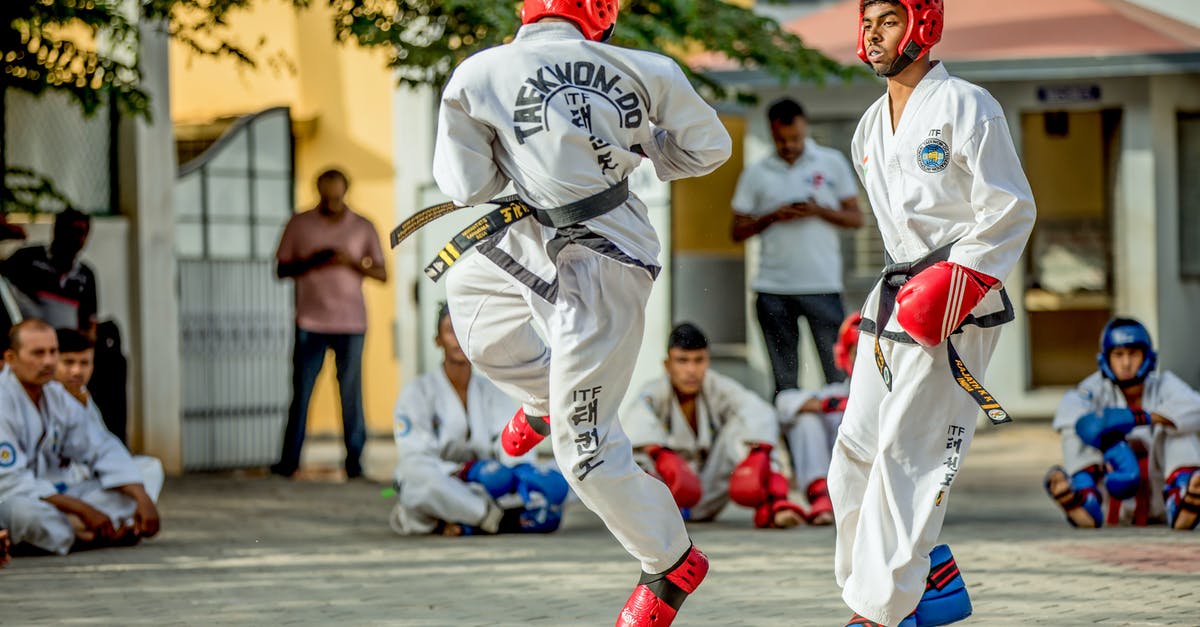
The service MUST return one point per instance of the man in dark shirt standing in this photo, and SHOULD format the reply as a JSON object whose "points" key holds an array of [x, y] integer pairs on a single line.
{"points": [[53, 284]]}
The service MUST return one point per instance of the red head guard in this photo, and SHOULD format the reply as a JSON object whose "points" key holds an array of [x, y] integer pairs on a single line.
{"points": [[924, 29], [847, 341], [594, 17]]}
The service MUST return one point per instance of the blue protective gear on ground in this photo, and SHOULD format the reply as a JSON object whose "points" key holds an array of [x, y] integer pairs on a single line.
{"points": [[1174, 492], [495, 477], [548, 481]]}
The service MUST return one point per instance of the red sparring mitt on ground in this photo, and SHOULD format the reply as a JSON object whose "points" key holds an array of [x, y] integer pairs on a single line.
{"points": [[754, 484], [932, 304], [677, 474]]}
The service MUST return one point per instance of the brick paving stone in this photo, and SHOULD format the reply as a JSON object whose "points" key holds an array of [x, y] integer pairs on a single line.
{"points": [[237, 550]]}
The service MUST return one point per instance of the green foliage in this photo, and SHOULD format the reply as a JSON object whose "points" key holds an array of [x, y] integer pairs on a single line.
{"points": [[41, 47], [426, 39]]}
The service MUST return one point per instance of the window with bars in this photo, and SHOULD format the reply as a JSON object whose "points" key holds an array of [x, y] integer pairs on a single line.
{"points": [[233, 200]]}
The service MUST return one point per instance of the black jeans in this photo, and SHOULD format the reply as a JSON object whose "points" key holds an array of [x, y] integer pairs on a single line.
{"points": [[779, 316], [308, 355]]}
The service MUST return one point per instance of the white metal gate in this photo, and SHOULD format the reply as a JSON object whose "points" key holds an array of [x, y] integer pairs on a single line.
{"points": [[235, 316]]}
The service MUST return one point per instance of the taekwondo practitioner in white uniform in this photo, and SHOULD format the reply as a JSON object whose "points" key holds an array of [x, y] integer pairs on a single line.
{"points": [[76, 362], [955, 210], [709, 438], [1128, 432], [452, 477], [810, 423], [552, 308], [42, 430]]}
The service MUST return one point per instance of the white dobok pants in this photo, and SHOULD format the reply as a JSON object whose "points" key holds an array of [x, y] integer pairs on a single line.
{"points": [[894, 460], [590, 319]]}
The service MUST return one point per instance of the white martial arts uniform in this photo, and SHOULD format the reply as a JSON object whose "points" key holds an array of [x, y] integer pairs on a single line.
{"points": [[729, 418], [78, 472], [948, 174], [810, 435], [435, 435], [37, 445], [1169, 449], [560, 116]]}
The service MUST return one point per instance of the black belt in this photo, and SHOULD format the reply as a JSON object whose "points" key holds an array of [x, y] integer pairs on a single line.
{"points": [[894, 276], [512, 209]]}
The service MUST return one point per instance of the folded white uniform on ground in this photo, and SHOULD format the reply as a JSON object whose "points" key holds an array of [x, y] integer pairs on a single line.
{"points": [[728, 417], [560, 117], [37, 447]]}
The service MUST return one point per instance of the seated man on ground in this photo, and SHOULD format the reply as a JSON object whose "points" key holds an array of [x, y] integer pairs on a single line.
{"points": [[810, 422], [709, 438], [453, 478], [43, 430], [1129, 436], [76, 362]]}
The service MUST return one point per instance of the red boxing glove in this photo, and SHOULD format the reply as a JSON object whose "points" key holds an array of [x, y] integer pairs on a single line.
{"points": [[832, 404], [677, 474], [748, 485], [932, 304]]}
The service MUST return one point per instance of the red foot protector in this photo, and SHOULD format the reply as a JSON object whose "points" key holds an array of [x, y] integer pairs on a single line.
{"points": [[657, 598], [523, 433], [818, 498]]}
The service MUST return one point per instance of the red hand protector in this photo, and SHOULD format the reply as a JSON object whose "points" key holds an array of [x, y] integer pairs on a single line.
{"points": [[678, 475], [932, 304], [748, 485]]}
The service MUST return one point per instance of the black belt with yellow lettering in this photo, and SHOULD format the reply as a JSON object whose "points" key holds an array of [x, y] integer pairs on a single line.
{"points": [[895, 275], [511, 209]]}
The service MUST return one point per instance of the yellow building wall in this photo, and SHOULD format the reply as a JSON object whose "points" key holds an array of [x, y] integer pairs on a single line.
{"points": [[701, 207], [341, 96]]}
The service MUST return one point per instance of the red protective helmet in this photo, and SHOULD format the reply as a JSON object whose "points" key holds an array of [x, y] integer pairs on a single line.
{"points": [[594, 17], [847, 341], [924, 28]]}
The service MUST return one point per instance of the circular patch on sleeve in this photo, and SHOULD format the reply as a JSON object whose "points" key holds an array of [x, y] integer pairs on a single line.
{"points": [[933, 155], [403, 426], [8, 454]]}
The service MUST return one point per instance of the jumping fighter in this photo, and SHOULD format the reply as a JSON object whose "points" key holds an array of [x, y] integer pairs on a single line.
{"points": [[955, 210], [552, 308], [810, 422], [452, 478], [1133, 431], [709, 438]]}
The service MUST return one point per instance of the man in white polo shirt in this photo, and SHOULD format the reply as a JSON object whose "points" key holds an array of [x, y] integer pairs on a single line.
{"points": [[796, 200]]}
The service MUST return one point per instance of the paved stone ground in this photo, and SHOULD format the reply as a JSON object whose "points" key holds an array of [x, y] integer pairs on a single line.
{"points": [[243, 550]]}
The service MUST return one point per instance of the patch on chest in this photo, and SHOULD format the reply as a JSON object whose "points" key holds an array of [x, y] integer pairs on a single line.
{"points": [[933, 155], [8, 454]]}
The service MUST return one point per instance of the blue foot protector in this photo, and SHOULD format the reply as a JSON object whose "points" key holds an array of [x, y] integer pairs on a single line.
{"points": [[945, 600]]}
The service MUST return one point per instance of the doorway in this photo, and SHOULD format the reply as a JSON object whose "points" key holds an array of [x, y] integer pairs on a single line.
{"points": [[1070, 159]]}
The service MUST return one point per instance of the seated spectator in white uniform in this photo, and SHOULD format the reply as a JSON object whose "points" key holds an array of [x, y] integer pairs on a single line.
{"points": [[810, 423], [1129, 437], [76, 362], [42, 431], [453, 477], [708, 438]]}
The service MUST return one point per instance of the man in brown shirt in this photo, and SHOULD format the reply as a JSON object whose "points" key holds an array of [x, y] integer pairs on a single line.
{"points": [[328, 250]]}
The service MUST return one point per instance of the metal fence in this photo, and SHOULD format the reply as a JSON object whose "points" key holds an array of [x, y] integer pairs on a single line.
{"points": [[235, 316], [50, 135]]}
